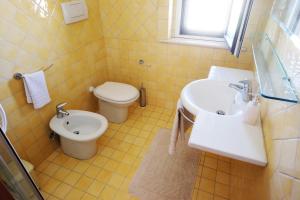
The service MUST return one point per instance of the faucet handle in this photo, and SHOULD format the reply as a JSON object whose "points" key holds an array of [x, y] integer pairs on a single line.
{"points": [[245, 82], [61, 105]]}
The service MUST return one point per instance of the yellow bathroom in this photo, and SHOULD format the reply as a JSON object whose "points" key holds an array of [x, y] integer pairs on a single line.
{"points": [[149, 99]]}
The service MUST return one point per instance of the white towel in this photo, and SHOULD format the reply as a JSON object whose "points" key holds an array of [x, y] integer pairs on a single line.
{"points": [[180, 125], [36, 89]]}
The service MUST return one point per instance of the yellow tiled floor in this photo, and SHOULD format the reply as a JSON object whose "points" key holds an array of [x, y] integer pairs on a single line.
{"points": [[121, 149]]}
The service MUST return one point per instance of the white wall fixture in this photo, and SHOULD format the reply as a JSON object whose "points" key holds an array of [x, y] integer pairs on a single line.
{"points": [[74, 11], [219, 109], [115, 99], [79, 132]]}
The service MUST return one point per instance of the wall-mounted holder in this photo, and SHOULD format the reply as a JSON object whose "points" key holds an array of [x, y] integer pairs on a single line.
{"points": [[19, 76], [142, 62], [273, 80]]}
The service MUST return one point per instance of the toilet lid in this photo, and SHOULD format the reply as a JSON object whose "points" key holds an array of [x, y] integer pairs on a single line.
{"points": [[114, 91]]}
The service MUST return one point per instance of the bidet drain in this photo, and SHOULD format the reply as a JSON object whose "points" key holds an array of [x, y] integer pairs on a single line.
{"points": [[220, 112], [76, 132]]}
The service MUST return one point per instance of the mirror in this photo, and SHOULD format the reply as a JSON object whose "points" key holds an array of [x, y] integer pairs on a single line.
{"points": [[287, 14]]}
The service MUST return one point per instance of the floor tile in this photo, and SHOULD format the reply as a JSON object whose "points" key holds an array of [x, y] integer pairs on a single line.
{"points": [[62, 190], [120, 152], [95, 188], [116, 180], [51, 186], [74, 194], [83, 183], [81, 167], [62, 173], [87, 196], [108, 193], [72, 178], [92, 171]]}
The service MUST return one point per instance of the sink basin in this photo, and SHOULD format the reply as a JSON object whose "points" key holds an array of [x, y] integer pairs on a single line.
{"points": [[218, 126], [210, 96]]}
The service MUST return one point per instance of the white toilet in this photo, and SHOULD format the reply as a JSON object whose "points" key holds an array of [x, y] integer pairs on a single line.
{"points": [[114, 100]]}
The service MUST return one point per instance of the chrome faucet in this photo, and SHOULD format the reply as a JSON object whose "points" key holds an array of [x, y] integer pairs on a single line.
{"points": [[60, 111], [245, 89]]}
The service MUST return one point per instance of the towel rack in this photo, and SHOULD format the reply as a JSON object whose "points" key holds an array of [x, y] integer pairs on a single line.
{"points": [[181, 110], [19, 76]]}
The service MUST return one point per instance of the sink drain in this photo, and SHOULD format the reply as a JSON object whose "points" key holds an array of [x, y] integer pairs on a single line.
{"points": [[76, 132], [220, 112]]}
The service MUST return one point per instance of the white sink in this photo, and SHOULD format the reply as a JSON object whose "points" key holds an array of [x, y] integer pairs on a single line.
{"points": [[227, 134], [211, 96]]}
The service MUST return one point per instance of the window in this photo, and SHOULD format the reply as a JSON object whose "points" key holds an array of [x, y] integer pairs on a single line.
{"points": [[195, 15], [218, 21]]}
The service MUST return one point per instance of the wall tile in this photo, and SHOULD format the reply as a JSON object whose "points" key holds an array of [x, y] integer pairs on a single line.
{"points": [[32, 35], [281, 130], [141, 25], [108, 46]]}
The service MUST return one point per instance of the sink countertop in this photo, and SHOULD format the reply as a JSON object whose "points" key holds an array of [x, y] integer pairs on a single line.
{"points": [[217, 135], [229, 74], [229, 136]]}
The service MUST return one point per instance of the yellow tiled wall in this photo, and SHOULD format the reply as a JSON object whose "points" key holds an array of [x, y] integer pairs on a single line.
{"points": [[132, 30], [281, 127], [281, 179], [33, 35]]}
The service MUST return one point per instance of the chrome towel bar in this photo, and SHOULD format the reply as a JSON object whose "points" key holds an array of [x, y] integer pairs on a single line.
{"points": [[184, 116], [19, 76]]}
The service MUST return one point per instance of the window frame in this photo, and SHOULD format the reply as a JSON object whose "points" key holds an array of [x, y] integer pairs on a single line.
{"points": [[207, 40], [175, 37]]}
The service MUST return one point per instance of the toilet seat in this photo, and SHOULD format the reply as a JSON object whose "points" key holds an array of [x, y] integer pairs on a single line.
{"points": [[116, 92]]}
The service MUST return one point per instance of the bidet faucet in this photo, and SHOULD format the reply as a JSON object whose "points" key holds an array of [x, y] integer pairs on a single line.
{"points": [[60, 111], [245, 89]]}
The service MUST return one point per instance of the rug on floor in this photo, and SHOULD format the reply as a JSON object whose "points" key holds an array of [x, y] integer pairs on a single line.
{"points": [[164, 177]]}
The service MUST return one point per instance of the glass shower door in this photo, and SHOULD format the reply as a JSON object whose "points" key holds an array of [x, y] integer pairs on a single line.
{"points": [[15, 181]]}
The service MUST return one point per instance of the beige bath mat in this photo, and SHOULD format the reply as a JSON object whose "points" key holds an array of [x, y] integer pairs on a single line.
{"points": [[165, 177]]}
